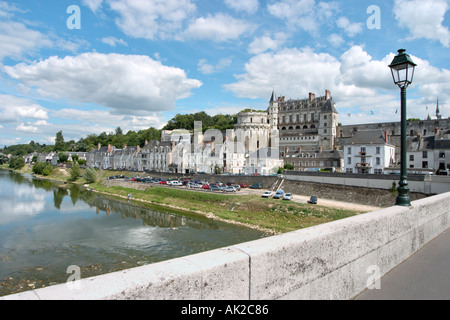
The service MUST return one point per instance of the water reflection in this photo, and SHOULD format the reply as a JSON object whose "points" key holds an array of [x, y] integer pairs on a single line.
{"points": [[45, 227]]}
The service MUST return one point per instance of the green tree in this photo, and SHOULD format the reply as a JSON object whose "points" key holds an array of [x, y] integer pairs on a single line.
{"points": [[16, 163], [63, 157], [59, 142], [90, 175], [75, 171]]}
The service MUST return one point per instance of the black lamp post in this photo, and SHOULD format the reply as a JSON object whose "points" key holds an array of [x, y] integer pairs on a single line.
{"points": [[402, 68]]}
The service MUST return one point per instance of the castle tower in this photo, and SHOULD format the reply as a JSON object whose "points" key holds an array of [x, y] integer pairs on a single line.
{"points": [[328, 123], [273, 112]]}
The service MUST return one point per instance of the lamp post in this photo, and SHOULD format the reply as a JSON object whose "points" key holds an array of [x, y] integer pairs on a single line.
{"points": [[402, 68]]}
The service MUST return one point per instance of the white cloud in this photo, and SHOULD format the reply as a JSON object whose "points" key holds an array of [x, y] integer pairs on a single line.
{"points": [[19, 41], [335, 40], [350, 28], [424, 19], [26, 128], [157, 19], [306, 14], [218, 28], [266, 42], [358, 68], [129, 84], [94, 5], [206, 68], [249, 6], [113, 41], [15, 109]]}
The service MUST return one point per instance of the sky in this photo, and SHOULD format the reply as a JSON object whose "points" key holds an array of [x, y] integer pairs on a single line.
{"points": [[90, 66]]}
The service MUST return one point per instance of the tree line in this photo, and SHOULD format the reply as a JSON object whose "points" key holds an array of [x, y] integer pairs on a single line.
{"points": [[119, 139]]}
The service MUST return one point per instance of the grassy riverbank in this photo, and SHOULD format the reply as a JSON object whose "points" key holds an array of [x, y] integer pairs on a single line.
{"points": [[275, 216]]}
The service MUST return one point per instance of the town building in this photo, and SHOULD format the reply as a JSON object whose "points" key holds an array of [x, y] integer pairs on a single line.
{"points": [[368, 152]]}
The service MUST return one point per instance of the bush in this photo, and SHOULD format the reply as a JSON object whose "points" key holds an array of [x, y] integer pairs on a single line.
{"points": [[90, 175], [42, 168], [16, 163]]}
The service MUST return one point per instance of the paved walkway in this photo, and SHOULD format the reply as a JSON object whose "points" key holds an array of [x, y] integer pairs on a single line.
{"points": [[424, 276]]}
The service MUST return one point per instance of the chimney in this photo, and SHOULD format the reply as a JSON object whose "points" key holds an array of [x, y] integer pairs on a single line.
{"points": [[311, 97], [146, 142], [299, 149], [385, 136], [138, 148], [327, 94], [436, 130], [320, 149], [99, 146]]}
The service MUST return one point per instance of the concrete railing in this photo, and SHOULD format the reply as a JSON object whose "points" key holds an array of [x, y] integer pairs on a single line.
{"points": [[336, 260]]}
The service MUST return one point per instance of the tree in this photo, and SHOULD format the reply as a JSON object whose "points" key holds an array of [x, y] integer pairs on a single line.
{"points": [[59, 142], [63, 157], [16, 163], [75, 171], [90, 175], [42, 168]]}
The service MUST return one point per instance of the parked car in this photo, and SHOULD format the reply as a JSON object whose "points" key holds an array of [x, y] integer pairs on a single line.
{"points": [[177, 183], [279, 194], [313, 200], [163, 182], [287, 196], [229, 189], [215, 188], [267, 194], [205, 186], [237, 187], [243, 185], [256, 186]]}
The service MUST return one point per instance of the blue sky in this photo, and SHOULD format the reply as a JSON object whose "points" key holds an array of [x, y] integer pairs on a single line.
{"points": [[137, 63]]}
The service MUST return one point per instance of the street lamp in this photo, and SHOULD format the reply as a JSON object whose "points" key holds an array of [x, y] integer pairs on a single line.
{"points": [[402, 68]]}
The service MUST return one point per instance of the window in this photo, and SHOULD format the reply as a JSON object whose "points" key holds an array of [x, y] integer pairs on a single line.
{"points": [[425, 154], [441, 154], [290, 119], [349, 170], [378, 171], [378, 160], [411, 157], [378, 150], [349, 150], [298, 118], [425, 164], [349, 160], [325, 117]]}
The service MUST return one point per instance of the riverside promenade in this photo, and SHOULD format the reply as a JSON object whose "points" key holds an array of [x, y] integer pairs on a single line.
{"points": [[424, 276]]}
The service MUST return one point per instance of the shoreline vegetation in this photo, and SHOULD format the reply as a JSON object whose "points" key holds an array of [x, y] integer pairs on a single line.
{"points": [[268, 215]]}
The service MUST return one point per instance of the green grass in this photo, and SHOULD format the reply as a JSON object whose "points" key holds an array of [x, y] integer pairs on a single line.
{"points": [[276, 215]]}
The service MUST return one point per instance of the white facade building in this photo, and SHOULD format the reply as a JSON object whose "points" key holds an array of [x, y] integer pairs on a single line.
{"points": [[368, 152]]}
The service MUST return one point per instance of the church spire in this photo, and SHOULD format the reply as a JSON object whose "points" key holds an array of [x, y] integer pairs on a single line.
{"points": [[272, 99], [438, 112]]}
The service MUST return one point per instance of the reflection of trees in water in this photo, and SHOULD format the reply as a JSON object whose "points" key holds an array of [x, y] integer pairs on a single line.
{"points": [[77, 193], [150, 217]]}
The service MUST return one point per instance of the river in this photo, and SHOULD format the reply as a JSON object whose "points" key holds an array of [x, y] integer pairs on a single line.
{"points": [[47, 227]]}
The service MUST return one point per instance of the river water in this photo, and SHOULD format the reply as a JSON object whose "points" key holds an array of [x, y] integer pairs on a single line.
{"points": [[47, 227]]}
